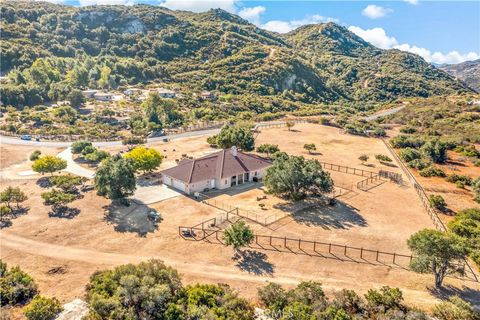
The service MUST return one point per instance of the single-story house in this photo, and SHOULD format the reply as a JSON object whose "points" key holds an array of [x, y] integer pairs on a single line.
{"points": [[103, 96], [166, 93], [219, 170], [88, 94]]}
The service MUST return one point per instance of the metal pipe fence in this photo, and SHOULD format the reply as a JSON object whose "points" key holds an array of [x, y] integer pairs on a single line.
{"points": [[437, 222]]}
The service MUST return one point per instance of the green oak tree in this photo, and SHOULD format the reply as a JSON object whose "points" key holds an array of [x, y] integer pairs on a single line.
{"points": [[115, 178], [436, 252]]}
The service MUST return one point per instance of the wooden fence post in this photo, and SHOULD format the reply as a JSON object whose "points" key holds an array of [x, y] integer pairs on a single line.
{"points": [[394, 256]]}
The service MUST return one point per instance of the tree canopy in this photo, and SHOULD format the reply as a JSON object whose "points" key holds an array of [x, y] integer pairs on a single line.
{"points": [[294, 178], [437, 252], [239, 136], [49, 164], [144, 159], [115, 178]]}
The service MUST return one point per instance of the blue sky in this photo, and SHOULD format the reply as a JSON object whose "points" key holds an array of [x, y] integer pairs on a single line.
{"points": [[439, 31]]}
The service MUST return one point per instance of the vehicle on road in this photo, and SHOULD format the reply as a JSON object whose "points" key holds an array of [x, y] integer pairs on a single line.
{"points": [[26, 137]]}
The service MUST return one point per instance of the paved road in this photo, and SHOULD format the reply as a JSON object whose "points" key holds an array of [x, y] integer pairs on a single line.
{"points": [[383, 113], [63, 144]]}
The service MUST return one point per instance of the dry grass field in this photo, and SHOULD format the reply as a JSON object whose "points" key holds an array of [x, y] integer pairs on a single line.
{"points": [[61, 253]]}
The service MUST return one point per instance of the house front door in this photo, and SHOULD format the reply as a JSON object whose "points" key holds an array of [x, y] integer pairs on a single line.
{"points": [[247, 176], [240, 178]]}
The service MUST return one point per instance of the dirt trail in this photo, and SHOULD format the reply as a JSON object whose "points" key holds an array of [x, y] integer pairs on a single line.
{"points": [[34, 247]]}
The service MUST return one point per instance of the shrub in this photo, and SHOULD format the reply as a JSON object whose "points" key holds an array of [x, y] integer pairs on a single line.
{"points": [[403, 141], [436, 151], [437, 202], [363, 158], [78, 146], [132, 140], [419, 164], [432, 171], [35, 155], [382, 157], [409, 154], [408, 130], [455, 308], [460, 184], [42, 308], [465, 179], [476, 190], [88, 150], [468, 151], [16, 286], [97, 156]]}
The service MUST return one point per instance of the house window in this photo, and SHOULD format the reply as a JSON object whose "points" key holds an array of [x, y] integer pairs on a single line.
{"points": [[226, 181], [255, 174]]}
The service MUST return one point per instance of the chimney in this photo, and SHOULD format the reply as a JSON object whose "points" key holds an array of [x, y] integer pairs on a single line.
{"points": [[233, 151]]}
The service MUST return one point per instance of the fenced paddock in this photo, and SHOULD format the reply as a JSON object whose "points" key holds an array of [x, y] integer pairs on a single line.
{"points": [[314, 249], [304, 247], [439, 225], [262, 219]]}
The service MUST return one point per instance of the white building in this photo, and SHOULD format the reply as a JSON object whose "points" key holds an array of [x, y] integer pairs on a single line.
{"points": [[219, 170], [104, 96], [166, 93]]}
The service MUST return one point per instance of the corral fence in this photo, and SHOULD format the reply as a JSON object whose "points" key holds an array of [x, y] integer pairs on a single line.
{"points": [[196, 127], [243, 213], [302, 246], [426, 202], [314, 249], [347, 170]]}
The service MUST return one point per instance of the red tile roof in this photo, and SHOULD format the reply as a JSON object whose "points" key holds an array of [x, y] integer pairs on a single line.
{"points": [[221, 164]]}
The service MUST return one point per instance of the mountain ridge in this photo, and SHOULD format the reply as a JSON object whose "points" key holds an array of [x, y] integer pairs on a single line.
{"points": [[213, 50], [467, 71]]}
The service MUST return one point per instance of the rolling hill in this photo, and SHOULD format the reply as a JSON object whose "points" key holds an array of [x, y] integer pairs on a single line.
{"points": [[468, 72], [214, 50]]}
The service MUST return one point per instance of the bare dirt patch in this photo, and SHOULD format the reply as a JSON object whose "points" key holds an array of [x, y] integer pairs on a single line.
{"points": [[382, 217]]}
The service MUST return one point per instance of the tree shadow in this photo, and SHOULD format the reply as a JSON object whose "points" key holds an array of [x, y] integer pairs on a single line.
{"points": [[136, 218], [16, 212], [468, 294], [338, 216], [64, 213], [44, 182], [255, 262], [389, 164]]}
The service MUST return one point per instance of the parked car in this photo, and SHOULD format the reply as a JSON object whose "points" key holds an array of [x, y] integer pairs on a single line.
{"points": [[26, 137]]}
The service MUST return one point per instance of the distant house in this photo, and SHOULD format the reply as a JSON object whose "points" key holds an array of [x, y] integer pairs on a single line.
{"points": [[207, 95], [132, 91], [88, 94], [166, 93], [104, 96], [220, 170]]}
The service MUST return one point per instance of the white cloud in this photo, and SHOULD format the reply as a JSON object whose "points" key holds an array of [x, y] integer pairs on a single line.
{"points": [[374, 12], [252, 14], [286, 26], [414, 2], [375, 36], [200, 5], [379, 38]]}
